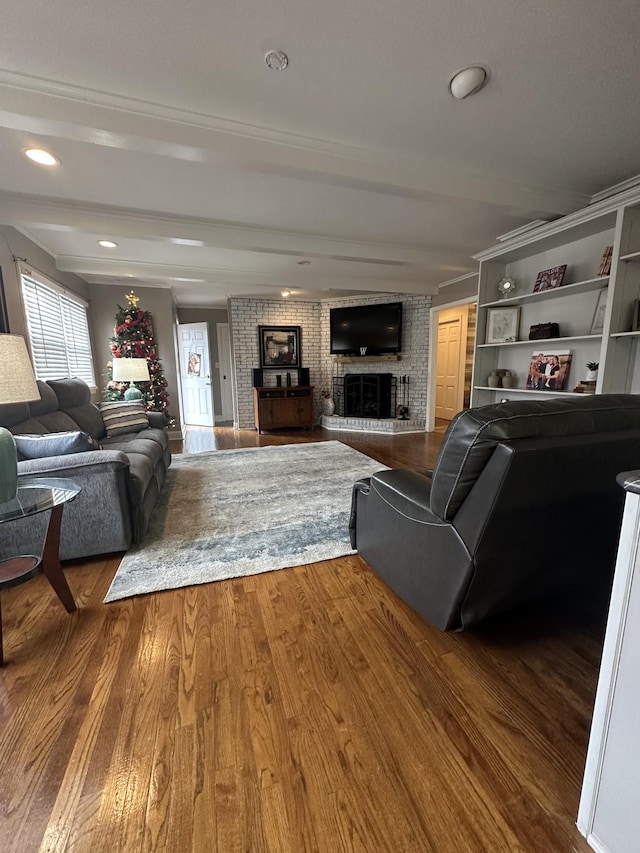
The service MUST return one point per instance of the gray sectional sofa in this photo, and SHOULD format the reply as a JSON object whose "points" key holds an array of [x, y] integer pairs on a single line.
{"points": [[120, 481]]}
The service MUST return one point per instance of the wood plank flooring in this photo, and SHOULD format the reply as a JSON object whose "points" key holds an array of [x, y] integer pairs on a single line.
{"points": [[300, 711]]}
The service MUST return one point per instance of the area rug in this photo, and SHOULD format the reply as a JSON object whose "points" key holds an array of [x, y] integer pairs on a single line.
{"points": [[230, 513]]}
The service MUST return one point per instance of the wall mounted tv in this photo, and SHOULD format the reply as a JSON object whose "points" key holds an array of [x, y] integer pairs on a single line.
{"points": [[366, 329]]}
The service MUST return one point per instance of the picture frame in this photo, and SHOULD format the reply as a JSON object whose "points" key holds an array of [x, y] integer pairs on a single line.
{"points": [[502, 325], [549, 279], [597, 324], [279, 347], [635, 321], [194, 364], [549, 370]]}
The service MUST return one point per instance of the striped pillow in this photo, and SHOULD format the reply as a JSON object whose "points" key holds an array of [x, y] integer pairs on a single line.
{"points": [[121, 417]]}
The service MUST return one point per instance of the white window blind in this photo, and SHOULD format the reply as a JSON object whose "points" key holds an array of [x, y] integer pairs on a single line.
{"points": [[58, 330]]}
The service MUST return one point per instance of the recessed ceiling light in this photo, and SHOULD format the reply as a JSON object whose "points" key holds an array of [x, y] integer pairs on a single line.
{"points": [[285, 293], [107, 244], [277, 60], [304, 263], [44, 158], [468, 81]]}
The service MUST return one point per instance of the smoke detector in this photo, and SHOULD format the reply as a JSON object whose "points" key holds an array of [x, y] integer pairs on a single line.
{"points": [[277, 60]]}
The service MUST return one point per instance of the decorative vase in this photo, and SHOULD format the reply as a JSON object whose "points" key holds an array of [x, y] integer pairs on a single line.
{"points": [[328, 406], [592, 375], [493, 381], [508, 379]]}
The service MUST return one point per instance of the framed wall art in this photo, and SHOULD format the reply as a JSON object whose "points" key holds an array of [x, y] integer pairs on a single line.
{"points": [[502, 325], [279, 346], [548, 279], [597, 324]]}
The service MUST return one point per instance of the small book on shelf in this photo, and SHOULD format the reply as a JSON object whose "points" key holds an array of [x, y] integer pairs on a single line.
{"points": [[605, 261]]}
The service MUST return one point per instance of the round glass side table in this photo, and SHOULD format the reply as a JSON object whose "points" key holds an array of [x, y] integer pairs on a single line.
{"points": [[37, 494]]}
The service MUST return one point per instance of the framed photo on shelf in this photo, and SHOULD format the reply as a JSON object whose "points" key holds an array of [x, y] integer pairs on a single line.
{"points": [[502, 325], [597, 324], [549, 279], [279, 346], [548, 370]]}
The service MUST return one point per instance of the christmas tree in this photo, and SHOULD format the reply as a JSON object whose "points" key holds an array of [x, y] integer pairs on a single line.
{"points": [[133, 338]]}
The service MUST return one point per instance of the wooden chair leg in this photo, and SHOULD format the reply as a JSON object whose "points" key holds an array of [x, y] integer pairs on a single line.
{"points": [[51, 567]]}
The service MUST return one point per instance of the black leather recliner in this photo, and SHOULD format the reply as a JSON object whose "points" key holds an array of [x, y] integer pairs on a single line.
{"points": [[522, 501]]}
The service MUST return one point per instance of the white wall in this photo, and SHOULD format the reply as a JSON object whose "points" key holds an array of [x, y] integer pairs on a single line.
{"points": [[14, 244], [414, 360], [245, 315], [103, 305], [210, 316]]}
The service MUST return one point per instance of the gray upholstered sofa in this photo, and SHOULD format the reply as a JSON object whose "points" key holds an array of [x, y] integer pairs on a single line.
{"points": [[120, 482], [522, 502]]}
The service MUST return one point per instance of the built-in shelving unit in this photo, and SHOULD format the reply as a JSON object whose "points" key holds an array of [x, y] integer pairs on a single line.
{"points": [[556, 292], [546, 341], [504, 392], [577, 240]]}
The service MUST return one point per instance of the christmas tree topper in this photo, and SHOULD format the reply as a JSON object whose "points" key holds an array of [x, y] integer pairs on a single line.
{"points": [[132, 299]]}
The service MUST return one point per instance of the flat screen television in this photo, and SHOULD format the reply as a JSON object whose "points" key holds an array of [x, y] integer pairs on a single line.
{"points": [[366, 329]]}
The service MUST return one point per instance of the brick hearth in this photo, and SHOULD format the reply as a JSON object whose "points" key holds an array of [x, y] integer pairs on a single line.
{"points": [[387, 425]]}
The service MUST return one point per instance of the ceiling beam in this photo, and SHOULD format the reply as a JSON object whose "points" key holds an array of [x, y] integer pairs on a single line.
{"points": [[51, 214], [92, 268], [44, 107]]}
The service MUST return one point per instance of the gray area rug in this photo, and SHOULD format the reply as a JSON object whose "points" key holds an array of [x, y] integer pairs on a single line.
{"points": [[229, 513]]}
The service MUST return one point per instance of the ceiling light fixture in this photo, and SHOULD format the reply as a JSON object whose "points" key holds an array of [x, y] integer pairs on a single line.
{"points": [[44, 158], [107, 244], [468, 81], [277, 60], [285, 293]]}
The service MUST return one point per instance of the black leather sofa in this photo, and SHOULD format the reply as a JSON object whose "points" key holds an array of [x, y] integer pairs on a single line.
{"points": [[522, 502]]}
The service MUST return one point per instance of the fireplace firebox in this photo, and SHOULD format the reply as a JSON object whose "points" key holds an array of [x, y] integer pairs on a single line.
{"points": [[368, 395]]}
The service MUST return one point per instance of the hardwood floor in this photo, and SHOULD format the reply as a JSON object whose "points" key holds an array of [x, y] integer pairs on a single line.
{"points": [[300, 710]]}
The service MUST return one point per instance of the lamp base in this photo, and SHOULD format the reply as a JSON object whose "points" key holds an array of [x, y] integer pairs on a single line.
{"points": [[132, 393], [8, 466]]}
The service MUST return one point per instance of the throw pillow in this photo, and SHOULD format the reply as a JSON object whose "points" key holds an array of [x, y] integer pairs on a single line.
{"points": [[54, 444], [121, 417]]}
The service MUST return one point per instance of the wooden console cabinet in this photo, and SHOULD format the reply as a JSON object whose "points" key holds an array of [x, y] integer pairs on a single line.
{"points": [[287, 406]]}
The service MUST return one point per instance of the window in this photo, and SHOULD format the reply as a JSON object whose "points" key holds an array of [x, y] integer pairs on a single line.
{"points": [[58, 330]]}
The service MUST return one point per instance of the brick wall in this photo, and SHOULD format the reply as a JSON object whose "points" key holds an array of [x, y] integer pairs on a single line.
{"points": [[245, 315]]}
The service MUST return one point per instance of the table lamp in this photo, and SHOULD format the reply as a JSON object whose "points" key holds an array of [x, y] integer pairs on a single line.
{"points": [[131, 370], [17, 385]]}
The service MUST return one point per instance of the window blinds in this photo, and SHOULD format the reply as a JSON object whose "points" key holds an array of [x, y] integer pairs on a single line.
{"points": [[58, 331]]}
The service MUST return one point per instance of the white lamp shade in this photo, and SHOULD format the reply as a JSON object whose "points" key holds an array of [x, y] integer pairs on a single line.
{"points": [[17, 380], [130, 370]]}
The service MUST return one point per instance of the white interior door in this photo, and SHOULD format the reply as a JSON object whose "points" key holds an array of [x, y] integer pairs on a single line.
{"points": [[224, 367], [195, 374]]}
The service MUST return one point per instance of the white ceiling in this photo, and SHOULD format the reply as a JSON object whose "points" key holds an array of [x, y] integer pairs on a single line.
{"points": [[170, 127]]}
